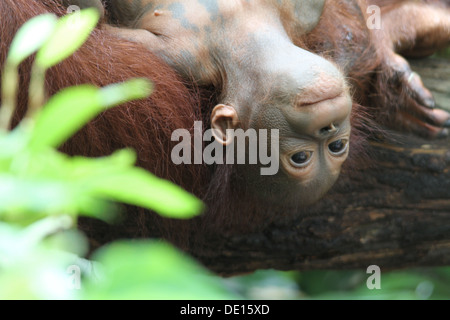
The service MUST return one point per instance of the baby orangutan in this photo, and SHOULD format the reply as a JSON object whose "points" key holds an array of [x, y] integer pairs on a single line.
{"points": [[245, 49], [254, 53]]}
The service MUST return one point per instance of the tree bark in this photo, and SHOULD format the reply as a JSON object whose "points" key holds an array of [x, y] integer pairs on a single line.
{"points": [[393, 212]]}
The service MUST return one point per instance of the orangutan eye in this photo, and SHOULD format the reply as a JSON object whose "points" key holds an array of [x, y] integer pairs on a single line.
{"points": [[338, 147], [301, 159]]}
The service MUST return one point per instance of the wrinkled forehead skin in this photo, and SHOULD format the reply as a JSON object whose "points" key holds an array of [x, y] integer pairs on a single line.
{"points": [[305, 13]]}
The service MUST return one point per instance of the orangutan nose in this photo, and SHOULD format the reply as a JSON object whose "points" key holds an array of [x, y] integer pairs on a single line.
{"points": [[330, 129]]}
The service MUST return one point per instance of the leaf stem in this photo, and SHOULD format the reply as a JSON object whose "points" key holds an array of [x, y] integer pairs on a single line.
{"points": [[10, 84], [37, 96]]}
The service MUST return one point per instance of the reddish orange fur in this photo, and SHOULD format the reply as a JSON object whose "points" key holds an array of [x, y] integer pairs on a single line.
{"points": [[145, 125]]}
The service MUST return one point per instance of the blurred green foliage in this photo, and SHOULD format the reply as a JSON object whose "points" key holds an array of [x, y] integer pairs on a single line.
{"points": [[413, 284], [42, 191], [444, 53]]}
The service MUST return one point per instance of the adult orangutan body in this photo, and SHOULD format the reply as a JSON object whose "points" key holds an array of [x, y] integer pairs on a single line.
{"points": [[257, 56]]}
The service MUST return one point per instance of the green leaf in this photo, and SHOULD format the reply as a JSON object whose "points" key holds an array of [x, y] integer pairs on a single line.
{"points": [[71, 32], [35, 270], [133, 89], [138, 187], [26, 200], [11, 145], [83, 168], [70, 109], [65, 113], [151, 270], [30, 37]]}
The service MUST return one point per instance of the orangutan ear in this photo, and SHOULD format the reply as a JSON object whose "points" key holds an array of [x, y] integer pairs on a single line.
{"points": [[224, 117]]}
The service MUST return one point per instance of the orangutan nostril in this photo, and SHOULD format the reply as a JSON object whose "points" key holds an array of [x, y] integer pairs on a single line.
{"points": [[329, 129]]}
